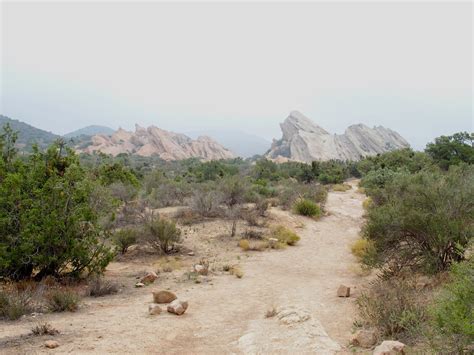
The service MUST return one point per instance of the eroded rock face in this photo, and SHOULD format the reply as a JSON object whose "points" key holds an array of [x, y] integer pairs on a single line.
{"points": [[305, 141], [155, 141]]}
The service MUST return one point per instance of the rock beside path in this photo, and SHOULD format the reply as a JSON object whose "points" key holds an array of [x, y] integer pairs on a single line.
{"points": [[163, 296], [390, 347], [177, 307]]}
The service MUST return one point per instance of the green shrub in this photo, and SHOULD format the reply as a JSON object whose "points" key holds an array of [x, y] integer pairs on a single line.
{"points": [[61, 300], [163, 234], [125, 238], [47, 221], [453, 311], [290, 191], [394, 307], [423, 221], [307, 208], [285, 236]]}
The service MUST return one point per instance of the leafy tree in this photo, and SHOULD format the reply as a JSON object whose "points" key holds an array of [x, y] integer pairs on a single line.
{"points": [[452, 150], [47, 223]]}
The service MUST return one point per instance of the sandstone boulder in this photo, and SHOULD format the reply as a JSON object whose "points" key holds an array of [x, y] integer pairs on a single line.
{"points": [[364, 338], [305, 141], [343, 291], [201, 269], [390, 347], [149, 278], [163, 296], [51, 344], [177, 307], [155, 141], [139, 284], [154, 309]]}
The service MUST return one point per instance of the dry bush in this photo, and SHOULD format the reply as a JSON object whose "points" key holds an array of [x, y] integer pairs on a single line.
{"points": [[394, 306], [253, 234], [253, 245], [341, 187], [367, 203], [61, 300], [285, 236], [261, 207], [206, 203], [363, 249], [44, 329], [99, 287], [244, 244], [168, 264], [15, 303], [237, 272], [187, 216]]}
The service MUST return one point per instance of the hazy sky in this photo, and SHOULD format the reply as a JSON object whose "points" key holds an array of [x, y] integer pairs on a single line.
{"points": [[193, 66]]}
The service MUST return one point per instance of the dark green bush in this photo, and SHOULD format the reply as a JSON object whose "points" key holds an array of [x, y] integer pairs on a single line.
{"points": [[423, 221], [62, 300], [453, 311], [163, 235], [307, 208], [48, 225], [125, 238], [452, 150]]}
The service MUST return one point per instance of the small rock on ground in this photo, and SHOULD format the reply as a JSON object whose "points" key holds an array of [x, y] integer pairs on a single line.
{"points": [[390, 347], [51, 344], [163, 297], [364, 338], [343, 291], [177, 307], [154, 309], [149, 278]]}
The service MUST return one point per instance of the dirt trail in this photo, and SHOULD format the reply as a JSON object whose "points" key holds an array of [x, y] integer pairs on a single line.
{"points": [[227, 314]]}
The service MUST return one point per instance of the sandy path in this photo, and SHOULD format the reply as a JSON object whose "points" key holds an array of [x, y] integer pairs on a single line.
{"points": [[227, 314]]}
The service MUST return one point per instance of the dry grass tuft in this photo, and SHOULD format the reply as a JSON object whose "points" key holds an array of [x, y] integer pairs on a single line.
{"points": [[44, 329]]}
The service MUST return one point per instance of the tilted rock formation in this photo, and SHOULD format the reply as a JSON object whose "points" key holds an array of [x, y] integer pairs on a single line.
{"points": [[155, 141], [305, 141]]}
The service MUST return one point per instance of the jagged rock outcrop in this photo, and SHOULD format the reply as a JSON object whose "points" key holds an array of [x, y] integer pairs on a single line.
{"points": [[305, 141], [155, 141]]}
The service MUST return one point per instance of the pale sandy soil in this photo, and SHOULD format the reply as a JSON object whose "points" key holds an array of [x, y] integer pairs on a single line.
{"points": [[226, 314]]}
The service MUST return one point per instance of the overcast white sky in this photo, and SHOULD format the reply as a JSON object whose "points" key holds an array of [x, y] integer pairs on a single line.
{"points": [[193, 66]]}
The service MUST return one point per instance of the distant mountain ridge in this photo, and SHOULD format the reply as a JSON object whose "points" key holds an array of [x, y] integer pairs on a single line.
{"points": [[90, 131], [305, 141], [29, 135], [156, 141]]}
